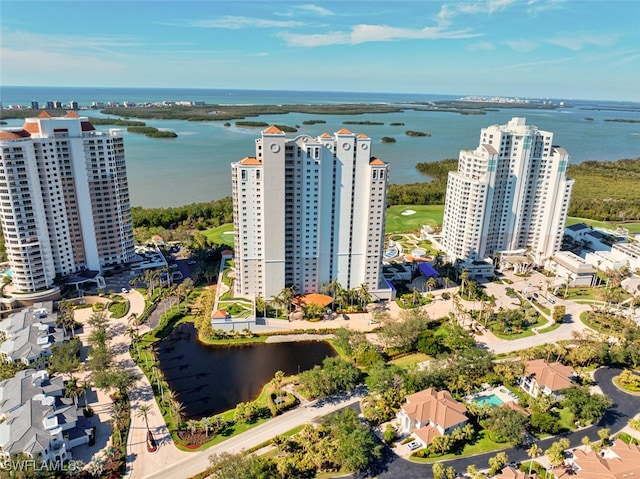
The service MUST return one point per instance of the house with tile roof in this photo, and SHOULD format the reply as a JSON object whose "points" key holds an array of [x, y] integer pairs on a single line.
{"points": [[430, 413], [37, 420], [511, 472], [542, 377], [29, 335], [620, 461]]}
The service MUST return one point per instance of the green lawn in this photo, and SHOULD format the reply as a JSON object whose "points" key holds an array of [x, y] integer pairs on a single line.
{"points": [[482, 445], [218, 236], [410, 360], [632, 227], [424, 215]]}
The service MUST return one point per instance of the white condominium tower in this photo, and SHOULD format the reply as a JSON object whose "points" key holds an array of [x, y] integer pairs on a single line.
{"points": [[64, 200], [510, 193], [308, 211]]}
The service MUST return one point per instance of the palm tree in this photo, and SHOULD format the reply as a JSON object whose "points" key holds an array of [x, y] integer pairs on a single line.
{"points": [[207, 422], [177, 409], [533, 452], [363, 295], [431, 283], [278, 301], [464, 276], [144, 411]]}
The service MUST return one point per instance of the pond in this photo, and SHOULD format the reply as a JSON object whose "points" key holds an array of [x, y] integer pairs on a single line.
{"points": [[209, 380]]}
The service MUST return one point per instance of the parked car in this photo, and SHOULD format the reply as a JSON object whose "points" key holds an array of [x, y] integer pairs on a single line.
{"points": [[413, 445], [124, 290]]}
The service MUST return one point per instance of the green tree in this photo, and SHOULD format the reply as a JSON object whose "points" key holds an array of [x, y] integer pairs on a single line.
{"points": [[556, 452], [506, 425], [533, 452], [497, 462], [241, 466]]}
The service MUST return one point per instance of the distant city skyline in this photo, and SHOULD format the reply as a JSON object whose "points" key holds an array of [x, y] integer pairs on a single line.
{"points": [[519, 48]]}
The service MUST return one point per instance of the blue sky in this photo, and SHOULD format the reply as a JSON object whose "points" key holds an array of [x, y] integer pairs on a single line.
{"points": [[529, 48]]}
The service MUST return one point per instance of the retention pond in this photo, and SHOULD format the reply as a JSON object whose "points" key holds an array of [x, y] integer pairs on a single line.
{"points": [[208, 380]]}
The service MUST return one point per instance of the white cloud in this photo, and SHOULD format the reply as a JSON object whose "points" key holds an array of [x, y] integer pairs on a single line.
{"points": [[530, 65], [578, 42], [373, 33], [235, 23], [448, 12], [316, 10]]}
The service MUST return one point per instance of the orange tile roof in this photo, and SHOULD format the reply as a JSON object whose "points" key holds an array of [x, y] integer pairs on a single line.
{"points": [[221, 313], [273, 130], [344, 131], [511, 472], [13, 135], [325, 135], [437, 407], [313, 298], [72, 114], [554, 376], [377, 162], [44, 114], [620, 462], [362, 135], [31, 126], [251, 161], [427, 433]]}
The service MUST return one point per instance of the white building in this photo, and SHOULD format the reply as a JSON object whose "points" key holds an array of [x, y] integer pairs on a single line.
{"points": [[510, 193], [309, 211], [64, 200]]}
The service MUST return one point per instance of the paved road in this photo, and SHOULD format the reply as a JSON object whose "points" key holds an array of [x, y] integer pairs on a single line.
{"points": [[625, 407], [199, 461]]}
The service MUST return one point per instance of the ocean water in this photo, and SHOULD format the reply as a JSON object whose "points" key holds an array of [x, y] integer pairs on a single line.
{"points": [[196, 166]]}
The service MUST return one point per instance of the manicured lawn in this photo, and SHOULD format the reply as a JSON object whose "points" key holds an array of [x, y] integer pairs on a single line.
{"points": [[632, 227], [424, 215], [218, 236], [411, 360], [548, 329], [482, 445]]}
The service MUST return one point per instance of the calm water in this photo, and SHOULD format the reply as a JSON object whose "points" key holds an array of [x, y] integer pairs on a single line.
{"points": [[195, 166], [212, 379]]}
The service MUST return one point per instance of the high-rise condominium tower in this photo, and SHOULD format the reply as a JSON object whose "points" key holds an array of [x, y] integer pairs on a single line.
{"points": [[510, 193], [64, 199], [308, 211]]}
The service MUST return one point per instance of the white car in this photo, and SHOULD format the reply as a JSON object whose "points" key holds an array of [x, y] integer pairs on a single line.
{"points": [[413, 445], [124, 290]]}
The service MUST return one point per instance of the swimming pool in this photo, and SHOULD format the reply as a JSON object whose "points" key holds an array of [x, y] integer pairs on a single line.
{"points": [[490, 400]]}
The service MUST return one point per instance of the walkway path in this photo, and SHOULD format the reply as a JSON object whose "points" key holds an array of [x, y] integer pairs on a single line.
{"points": [[196, 462]]}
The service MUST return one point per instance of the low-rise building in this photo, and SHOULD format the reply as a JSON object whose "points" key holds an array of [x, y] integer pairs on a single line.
{"points": [[430, 413], [620, 461], [37, 420], [572, 268], [543, 377], [511, 472], [29, 335], [629, 253]]}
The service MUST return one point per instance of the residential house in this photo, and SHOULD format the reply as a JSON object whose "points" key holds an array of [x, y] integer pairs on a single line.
{"points": [[431, 413], [511, 472], [37, 420], [30, 334], [620, 461], [542, 377]]}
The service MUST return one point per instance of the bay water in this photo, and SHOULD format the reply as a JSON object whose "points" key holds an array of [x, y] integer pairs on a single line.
{"points": [[195, 166]]}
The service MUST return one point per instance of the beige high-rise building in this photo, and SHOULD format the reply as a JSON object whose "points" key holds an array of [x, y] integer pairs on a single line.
{"points": [[510, 193], [64, 200], [309, 211]]}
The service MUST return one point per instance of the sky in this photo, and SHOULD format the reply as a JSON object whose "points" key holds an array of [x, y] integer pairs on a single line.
{"points": [[584, 49]]}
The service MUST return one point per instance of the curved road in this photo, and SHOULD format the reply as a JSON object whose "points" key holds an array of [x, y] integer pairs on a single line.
{"points": [[625, 407]]}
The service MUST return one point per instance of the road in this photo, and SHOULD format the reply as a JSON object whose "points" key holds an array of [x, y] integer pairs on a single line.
{"points": [[625, 407], [199, 461]]}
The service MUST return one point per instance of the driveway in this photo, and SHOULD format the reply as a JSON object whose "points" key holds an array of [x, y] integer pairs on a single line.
{"points": [[625, 407]]}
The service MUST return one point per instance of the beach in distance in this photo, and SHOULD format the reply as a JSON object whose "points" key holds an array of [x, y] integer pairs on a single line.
{"points": [[195, 166]]}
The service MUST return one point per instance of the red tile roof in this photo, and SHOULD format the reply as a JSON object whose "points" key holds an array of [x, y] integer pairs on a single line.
{"points": [[221, 313], [362, 135], [44, 114], [87, 126], [344, 131], [31, 126], [621, 461], [72, 114], [376, 162], [325, 135], [13, 135]]}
